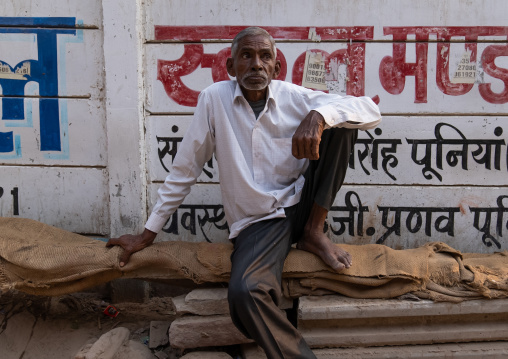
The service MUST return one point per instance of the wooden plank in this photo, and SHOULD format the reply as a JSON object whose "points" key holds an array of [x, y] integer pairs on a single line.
{"points": [[176, 73], [53, 132], [51, 62], [87, 14], [74, 199], [470, 219], [315, 13], [466, 150]]}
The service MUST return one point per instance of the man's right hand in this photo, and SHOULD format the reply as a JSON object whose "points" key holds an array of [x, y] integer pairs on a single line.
{"points": [[132, 243]]}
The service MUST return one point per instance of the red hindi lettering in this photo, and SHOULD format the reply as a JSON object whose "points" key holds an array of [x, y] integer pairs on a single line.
{"points": [[394, 69], [443, 66], [488, 62], [171, 72]]}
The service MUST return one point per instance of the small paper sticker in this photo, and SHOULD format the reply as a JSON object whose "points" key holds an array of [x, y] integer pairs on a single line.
{"points": [[19, 74], [314, 71], [466, 70]]}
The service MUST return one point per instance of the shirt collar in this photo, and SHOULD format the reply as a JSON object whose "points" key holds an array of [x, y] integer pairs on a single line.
{"points": [[270, 97]]}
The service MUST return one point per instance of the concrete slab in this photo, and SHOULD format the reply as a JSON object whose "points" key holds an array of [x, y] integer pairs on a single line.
{"points": [[393, 334], [496, 350], [210, 301], [491, 350], [336, 321], [331, 307], [207, 331]]}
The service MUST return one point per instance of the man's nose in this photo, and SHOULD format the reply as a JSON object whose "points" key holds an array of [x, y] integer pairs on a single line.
{"points": [[256, 63]]}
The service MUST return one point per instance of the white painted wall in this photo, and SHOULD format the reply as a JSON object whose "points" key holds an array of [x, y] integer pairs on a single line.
{"points": [[122, 65]]}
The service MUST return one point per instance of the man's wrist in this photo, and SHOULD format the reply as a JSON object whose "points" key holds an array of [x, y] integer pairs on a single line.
{"points": [[148, 236], [319, 119]]}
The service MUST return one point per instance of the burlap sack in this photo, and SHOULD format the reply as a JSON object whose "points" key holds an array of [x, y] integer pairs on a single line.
{"points": [[44, 260]]}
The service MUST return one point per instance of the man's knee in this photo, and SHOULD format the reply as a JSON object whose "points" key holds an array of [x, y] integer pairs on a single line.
{"points": [[337, 135], [240, 291], [248, 291]]}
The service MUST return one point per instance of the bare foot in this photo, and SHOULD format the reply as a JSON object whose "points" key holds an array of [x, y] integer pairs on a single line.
{"points": [[319, 244]]}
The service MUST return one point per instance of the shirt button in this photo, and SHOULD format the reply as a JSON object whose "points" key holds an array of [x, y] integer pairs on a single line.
{"points": [[274, 193]]}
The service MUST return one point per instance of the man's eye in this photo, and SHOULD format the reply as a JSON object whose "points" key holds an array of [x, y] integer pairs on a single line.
{"points": [[267, 56], [245, 55]]}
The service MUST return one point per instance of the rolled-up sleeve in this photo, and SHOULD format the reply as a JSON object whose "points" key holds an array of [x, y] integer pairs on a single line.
{"points": [[349, 111]]}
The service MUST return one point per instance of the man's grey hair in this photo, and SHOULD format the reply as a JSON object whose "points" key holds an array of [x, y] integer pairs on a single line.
{"points": [[252, 31]]}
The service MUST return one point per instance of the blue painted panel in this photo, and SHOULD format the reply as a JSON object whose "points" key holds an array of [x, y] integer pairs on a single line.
{"points": [[6, 142], [43, 71]]}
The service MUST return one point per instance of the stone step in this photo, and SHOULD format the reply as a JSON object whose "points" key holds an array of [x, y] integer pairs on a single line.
{"points": [[490, 350], [204, 331], [210, 324], [210, 301], [404, 334], [336, 321], [331, 307]]}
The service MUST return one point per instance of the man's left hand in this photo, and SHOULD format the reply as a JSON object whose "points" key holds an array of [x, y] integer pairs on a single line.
{"points": [[308, 136]]}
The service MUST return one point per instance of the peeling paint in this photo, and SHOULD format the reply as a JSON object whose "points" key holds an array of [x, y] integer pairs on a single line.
{"points": [[313, 35]]}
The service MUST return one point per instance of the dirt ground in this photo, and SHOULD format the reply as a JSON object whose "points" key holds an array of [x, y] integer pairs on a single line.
{"points": [[34, 327]]}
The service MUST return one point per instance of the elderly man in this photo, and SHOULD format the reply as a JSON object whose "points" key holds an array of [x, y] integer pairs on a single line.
{"points": [[282, 152]]}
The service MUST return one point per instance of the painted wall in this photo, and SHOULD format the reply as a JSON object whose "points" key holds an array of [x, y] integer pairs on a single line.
{"points": [[95, 102]]}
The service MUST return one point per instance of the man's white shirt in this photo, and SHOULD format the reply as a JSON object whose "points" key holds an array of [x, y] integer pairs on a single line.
{"points": [[259, 176]]}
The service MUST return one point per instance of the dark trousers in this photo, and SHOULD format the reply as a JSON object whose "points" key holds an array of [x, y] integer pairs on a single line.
{"points": [[260, 250]]}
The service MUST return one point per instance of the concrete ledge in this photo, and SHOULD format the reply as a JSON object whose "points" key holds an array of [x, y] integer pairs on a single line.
{"points": [[404, 334], [493, 350], [339, 307], [496, 350], [336, 321]]}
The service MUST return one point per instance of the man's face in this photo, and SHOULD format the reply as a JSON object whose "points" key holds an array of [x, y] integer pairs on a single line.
{"points": [[254, 66]]}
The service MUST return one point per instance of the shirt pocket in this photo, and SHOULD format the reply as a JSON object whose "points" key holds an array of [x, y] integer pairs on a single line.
{"points": [[286, 167]]}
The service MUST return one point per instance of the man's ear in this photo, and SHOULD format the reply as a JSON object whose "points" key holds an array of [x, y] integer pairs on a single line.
{"points": [[276, 71], [230, 68]]}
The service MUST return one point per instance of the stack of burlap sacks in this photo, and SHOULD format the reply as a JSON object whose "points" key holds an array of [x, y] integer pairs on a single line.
{"points": [[43, 260]]}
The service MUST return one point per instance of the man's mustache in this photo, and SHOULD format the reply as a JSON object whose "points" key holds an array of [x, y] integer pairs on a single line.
{"points": [[257, 74]]}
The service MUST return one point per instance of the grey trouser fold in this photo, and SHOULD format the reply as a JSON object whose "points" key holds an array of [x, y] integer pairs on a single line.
{"points": [[260, 250]]}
